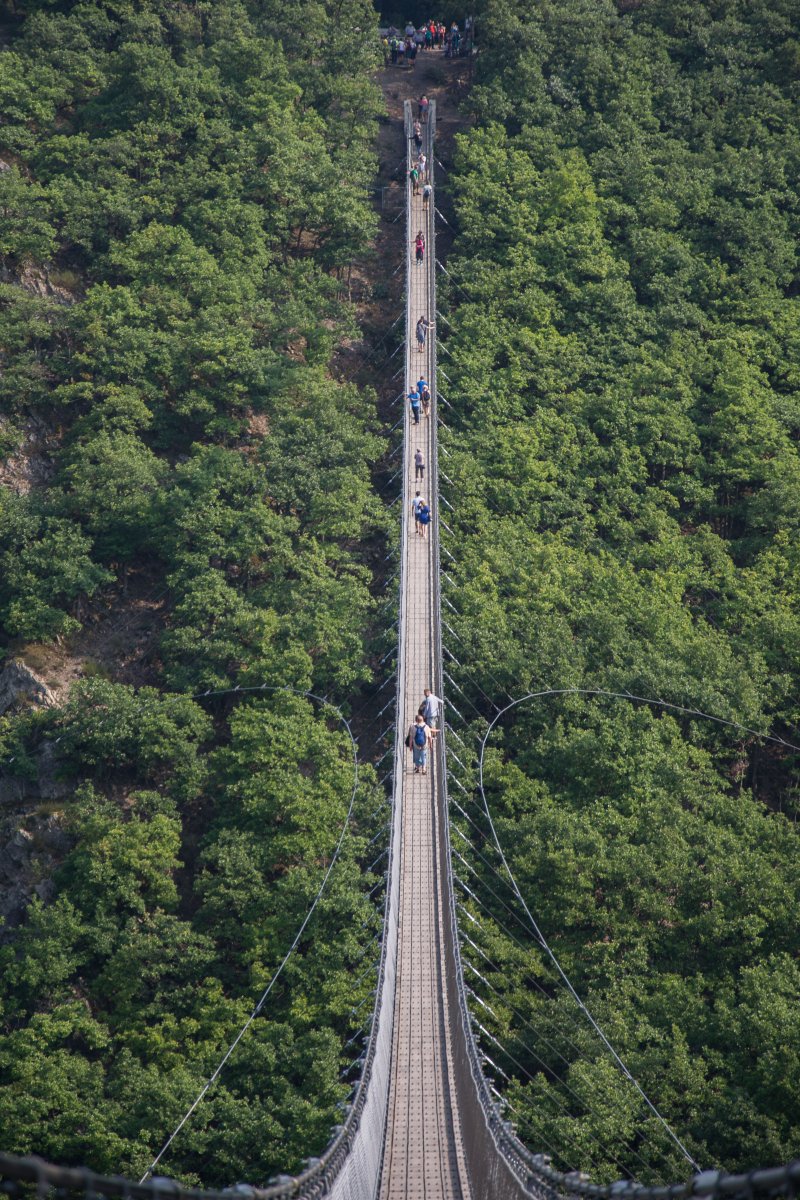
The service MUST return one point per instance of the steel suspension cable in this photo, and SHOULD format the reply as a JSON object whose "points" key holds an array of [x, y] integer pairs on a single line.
{"points": [[553, 1029], [685, 710], [296, 940]]}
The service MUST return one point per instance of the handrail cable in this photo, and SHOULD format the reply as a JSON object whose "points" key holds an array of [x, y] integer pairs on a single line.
{"points": [[276, 975], [534, 925], [553, 1028]]}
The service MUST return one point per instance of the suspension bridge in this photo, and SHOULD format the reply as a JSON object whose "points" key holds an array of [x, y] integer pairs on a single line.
{"points": [[423, 1123]]}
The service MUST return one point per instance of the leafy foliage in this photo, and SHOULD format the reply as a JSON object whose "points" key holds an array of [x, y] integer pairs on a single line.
{"points": [[624, 458], [181, 188]]}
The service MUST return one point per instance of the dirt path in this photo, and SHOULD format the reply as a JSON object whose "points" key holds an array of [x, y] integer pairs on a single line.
{"points": [[441, 79]]}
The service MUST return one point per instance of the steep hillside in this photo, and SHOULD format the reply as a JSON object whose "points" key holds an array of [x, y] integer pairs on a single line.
{"points": [[187, 504], [623, 451]]}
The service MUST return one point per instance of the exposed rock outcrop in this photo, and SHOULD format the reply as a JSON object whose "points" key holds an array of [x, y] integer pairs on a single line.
{"points": [[30, 849], [31, 465], [19, 684]]}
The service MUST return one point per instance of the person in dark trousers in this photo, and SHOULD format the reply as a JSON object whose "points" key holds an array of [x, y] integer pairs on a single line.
{"points": [[425, 397], [419, 465], [415, 403], [419, 247]]}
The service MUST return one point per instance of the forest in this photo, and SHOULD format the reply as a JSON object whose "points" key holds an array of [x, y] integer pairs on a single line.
{"points": [[188, 505], [623, 382], [182, 189]]}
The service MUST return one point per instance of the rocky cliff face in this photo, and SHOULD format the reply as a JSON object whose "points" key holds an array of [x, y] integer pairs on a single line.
{"points": [[30, 465], [31, 846], [20, 685], [32, 838]]}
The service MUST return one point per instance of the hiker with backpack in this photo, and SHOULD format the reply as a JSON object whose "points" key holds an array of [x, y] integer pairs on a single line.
{"points": [[418, 739], [416, 504]]}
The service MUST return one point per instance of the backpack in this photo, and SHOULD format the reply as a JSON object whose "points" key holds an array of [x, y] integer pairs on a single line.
{"points": [[420, 735]]}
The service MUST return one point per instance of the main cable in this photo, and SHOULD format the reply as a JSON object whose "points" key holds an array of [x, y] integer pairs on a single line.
{"points": [[276, 975]]}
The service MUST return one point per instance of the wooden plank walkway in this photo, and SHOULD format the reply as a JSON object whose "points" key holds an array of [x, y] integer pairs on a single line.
{"points": [[423, 1154]]}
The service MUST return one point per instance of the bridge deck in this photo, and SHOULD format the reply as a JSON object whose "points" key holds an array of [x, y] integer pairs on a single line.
{"points": [[423, 1155]]}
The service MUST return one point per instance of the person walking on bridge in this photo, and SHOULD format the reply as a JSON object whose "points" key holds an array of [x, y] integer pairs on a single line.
{"points": [[427, 192], [416, 505], [424, 518], [423, 325], [419, 739], [424, 395], [424, 104], [419, 465], [419, 247], [431, 708], [414, 401]]}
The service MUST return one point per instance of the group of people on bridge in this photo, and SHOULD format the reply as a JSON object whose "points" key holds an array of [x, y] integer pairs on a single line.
{"points": [[418, 174], [424, 729], [419, 399], [421, 512], [419, 738]]}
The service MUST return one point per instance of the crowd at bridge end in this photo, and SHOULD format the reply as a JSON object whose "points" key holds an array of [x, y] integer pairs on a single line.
{"points": [[401, 46]]}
